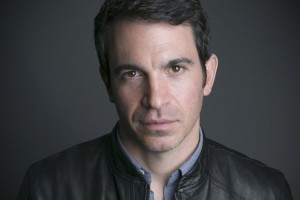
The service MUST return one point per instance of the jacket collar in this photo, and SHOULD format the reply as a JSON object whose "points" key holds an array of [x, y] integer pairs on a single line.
{"points": [[119, 162], [200, 170]]}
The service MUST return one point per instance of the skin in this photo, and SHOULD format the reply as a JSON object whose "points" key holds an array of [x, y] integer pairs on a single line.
{"points": [[157, 86]]}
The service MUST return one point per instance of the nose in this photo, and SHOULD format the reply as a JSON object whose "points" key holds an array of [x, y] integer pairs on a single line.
{"points": [[156, 93]]}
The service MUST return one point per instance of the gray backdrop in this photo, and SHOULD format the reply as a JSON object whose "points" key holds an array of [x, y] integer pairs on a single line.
{"points": [[52, 96]]}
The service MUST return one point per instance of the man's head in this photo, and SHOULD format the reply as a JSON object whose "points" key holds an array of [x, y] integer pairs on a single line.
{"points": [[156, 69], [175, 12]]}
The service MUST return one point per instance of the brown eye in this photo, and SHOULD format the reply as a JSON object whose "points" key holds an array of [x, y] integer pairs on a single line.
{"points": [[175, 68], [131, 73]]}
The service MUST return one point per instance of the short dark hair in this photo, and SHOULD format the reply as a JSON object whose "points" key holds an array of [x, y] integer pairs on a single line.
{"points": [[173, 12]]}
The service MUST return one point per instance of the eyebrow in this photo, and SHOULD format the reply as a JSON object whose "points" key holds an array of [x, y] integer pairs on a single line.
{"points": [[172, 62], [180, 61]]}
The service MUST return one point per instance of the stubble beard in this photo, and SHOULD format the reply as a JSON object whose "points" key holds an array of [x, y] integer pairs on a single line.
{"points": [[159, 141]]}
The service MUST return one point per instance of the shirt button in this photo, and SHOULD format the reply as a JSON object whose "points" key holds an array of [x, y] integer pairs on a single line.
{"points": [[142, 171]]}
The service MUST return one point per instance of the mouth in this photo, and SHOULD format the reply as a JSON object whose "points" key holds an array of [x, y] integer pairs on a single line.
{"points": [[161, 124]]}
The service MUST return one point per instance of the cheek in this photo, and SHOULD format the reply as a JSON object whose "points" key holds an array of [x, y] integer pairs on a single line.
{"points": [[190, 95], [190, 87], [126, 100], [191, 98]]}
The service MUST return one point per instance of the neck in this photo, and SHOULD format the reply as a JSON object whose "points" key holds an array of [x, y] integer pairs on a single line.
{"points": [[163, 164]]}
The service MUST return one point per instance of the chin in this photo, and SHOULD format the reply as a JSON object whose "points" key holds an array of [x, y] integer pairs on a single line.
{"points": [[160, 144]]}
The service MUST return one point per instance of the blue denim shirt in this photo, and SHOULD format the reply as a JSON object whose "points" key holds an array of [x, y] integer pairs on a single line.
{"points": [[169, 189]]}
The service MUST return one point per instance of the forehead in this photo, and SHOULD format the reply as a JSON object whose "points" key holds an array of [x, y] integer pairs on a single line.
{"points": [[130, 41]]}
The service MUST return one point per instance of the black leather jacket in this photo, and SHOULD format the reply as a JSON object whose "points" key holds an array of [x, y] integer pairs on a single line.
{"points": [[98, 170]]}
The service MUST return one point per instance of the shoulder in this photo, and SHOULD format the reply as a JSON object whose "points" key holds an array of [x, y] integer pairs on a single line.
{"points": [[72, 168], [74, 159], [245, 177]]}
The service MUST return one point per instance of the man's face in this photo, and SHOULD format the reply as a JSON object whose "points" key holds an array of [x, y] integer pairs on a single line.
{"points": [[156, 84]]}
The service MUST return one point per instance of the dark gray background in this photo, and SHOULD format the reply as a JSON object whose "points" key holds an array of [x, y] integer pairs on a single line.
{"points": [[52, 96]]}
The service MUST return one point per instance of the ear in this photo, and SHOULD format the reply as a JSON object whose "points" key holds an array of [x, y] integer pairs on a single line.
{"points": [[106, 81], [211, 70]]}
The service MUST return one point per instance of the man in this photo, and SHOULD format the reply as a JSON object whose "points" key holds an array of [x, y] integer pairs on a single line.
{"points": [[156, 65]]}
